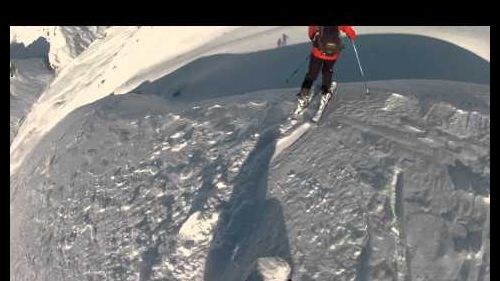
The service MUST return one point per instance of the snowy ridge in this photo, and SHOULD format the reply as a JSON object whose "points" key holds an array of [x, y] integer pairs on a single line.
{"points": [[35, 53], [27, 34], [113, 55], [473, 38], [30, 79], [66, 42]]}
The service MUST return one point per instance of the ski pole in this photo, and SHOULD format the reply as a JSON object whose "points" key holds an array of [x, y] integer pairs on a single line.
{"points": [[360, 67], [297, 69]]}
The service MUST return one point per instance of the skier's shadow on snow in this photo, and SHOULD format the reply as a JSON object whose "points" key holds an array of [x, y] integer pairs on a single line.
{"points": [[384, 57], [250, 226]]}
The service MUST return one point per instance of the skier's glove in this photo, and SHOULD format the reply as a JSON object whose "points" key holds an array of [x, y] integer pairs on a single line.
{"points": [[352, 35], [349, 31]]}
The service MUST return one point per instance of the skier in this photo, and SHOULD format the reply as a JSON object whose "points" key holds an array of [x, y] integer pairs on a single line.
{"points": [[327, 46], [284, 39], [12, 69]]}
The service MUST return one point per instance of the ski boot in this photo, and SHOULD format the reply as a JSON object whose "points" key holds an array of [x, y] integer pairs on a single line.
{"points": [[303, 100], [326, 96]]}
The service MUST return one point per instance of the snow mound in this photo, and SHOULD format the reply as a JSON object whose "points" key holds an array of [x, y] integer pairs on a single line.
{"points": [[195, 235], [271, 269], [458, 122], [399, 103], [198, 227]]}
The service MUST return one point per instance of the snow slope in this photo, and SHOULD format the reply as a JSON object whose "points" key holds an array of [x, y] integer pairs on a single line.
{"points": [[35, 52], [100, 71], [202, 186], [28, 80], [129, 56], [135, 188]]}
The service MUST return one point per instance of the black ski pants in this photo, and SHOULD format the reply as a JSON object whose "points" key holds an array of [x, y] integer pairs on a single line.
{"points": [[315, 64]]}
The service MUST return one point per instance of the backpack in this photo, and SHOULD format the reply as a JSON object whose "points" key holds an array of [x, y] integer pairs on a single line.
{"points": [[328, 41]]}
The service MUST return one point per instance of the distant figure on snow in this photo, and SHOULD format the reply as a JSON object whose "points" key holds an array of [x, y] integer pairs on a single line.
{"points": [[279, 43], [283, 40], [12, 69]]}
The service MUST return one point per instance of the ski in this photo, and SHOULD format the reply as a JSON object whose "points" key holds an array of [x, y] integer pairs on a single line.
{"points": [[302, 105], [297, 116], [324, 101]]}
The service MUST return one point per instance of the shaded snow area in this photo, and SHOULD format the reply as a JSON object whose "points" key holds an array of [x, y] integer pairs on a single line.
{"points": [[65, 42], [35, 52], [104, 68], [394, 186], [29, 77]]}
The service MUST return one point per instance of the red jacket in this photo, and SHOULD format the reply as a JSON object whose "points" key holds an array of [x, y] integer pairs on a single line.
{"points": [[347, 29]]}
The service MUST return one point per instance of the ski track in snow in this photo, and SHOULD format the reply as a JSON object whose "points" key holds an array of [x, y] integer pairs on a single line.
{"points": [[286, 141]]}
